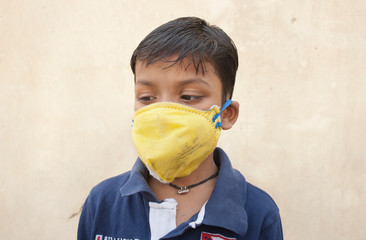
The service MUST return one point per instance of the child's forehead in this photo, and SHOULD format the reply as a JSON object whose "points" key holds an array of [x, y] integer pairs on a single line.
{"points": [[186, 64], [180, 73]]}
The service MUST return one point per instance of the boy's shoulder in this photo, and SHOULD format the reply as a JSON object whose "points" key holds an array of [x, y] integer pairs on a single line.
{"points": [[257, 196], [260, 203]]}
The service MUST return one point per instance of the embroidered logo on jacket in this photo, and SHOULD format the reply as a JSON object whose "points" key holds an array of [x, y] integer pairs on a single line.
{"points": [[214, 236], [100, 237]]}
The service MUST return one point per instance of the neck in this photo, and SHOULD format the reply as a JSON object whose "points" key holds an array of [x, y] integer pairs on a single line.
{"points": [[189, 203], [205, 170]]}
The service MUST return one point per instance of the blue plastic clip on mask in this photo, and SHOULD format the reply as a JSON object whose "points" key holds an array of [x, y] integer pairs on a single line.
{"points": [[227, 103]]}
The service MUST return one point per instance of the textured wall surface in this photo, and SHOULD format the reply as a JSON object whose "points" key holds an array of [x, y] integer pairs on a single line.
{"points": [[66, 95]]}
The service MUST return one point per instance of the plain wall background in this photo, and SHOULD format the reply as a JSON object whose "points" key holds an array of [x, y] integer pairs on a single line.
{"points": [[66, 105]]}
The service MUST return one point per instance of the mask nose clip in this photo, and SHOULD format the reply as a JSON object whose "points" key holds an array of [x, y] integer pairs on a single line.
{"points": [[227, 103]]}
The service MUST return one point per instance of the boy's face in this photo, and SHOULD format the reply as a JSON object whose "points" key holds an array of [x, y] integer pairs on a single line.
{"points": [[178, 84]]}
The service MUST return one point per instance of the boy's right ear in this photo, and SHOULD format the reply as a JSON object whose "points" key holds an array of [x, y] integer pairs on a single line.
{"points": [[230, 115]]}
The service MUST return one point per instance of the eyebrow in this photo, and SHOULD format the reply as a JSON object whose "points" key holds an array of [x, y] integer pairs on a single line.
{"points": [[143, 82], [181, 83], [193, 80]]}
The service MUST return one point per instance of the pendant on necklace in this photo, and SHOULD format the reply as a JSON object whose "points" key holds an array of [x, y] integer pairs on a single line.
{"points": [[182, 190]]}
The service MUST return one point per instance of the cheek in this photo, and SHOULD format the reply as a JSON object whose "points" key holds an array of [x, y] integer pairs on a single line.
{"points": [[136, 105]]}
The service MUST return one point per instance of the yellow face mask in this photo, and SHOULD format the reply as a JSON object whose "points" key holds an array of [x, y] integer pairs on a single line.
{"points": [[172, 139]]}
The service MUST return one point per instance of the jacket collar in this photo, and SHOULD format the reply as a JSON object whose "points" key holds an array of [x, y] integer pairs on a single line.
{"points": [[227, 199], [137, 183]]}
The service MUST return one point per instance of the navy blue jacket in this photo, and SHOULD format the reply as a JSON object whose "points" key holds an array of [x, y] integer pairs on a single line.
{"points": [[118, 209]]}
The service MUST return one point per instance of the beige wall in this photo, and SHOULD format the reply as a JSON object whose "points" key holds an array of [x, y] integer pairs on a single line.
{"points": [[66, 95]]}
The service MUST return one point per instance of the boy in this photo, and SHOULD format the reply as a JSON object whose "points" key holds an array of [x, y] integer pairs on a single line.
{"points": [[181, 186]]}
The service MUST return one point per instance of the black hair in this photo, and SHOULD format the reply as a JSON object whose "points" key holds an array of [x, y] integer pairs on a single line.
{"points": [[195, 39]]}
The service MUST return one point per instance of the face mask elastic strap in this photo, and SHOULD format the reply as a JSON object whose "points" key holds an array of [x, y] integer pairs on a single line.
{"points": [[227, 103]]}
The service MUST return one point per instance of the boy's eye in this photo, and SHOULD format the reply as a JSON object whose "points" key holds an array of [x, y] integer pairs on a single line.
{"points": [[146, 99], [190, 97]]}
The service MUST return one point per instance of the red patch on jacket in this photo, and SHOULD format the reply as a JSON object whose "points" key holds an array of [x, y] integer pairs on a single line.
{"points": [[214, 236]]}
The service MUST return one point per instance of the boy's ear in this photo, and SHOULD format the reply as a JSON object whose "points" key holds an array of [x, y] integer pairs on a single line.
{"points": [[230, 115]]}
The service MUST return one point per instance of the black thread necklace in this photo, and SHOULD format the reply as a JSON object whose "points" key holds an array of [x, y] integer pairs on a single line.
{"points": [[182, 190]]}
